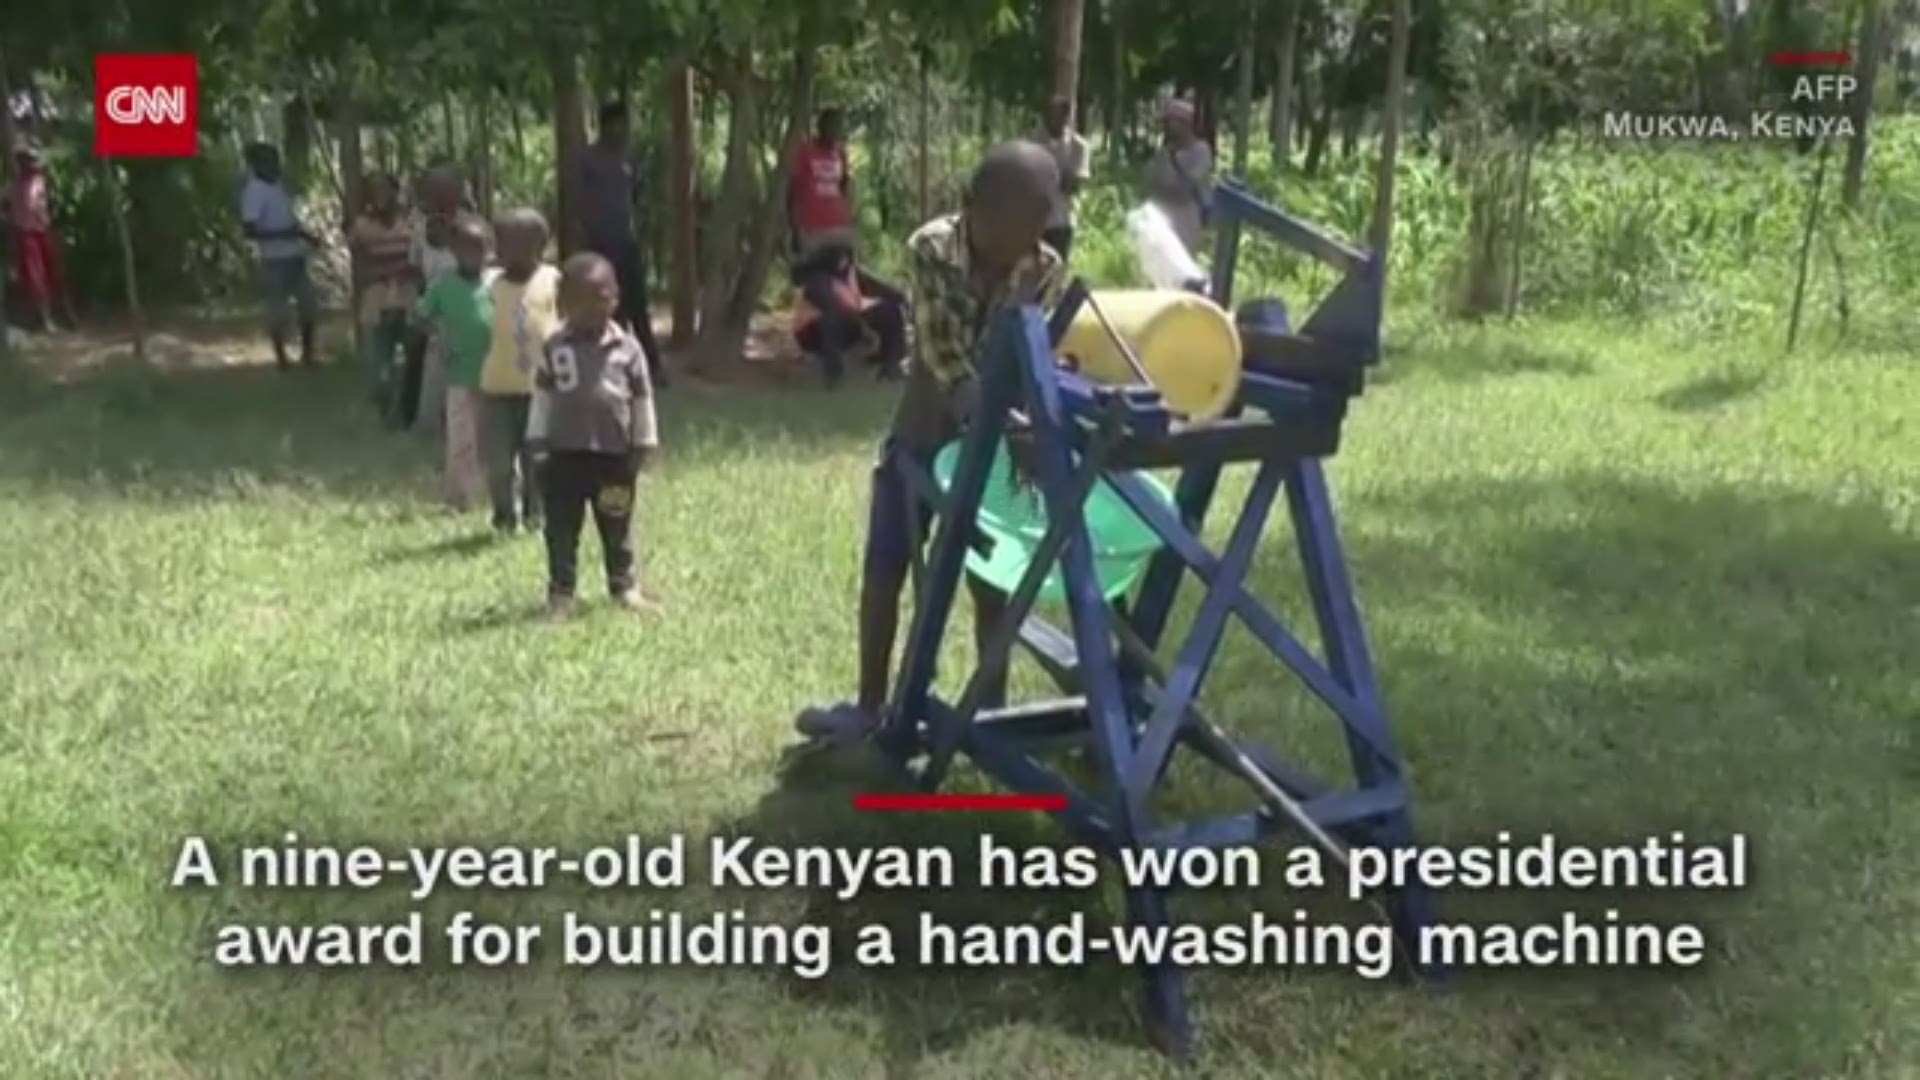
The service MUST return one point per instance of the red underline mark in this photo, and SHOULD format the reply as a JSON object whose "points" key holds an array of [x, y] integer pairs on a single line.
{"points": [[957, 801], [1808, 59]]}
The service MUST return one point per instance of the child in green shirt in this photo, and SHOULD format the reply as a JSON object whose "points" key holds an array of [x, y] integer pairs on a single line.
{"points": [[459, 307]]}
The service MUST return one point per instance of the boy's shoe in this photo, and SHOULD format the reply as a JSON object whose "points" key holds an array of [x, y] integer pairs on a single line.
{"points": [[559, 606], [637, 602], [844, 722]]}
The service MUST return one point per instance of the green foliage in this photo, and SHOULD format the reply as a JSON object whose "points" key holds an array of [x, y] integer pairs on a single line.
{"points": [[1703, 237], [186, 244], [1693, 233]]}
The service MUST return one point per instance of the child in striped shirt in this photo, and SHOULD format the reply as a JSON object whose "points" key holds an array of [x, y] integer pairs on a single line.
{"points": [[389, 282], [592, 429]]}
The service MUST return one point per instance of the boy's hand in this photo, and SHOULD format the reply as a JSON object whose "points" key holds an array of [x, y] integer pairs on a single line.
{"points": [[639, 459], [538, 450]]}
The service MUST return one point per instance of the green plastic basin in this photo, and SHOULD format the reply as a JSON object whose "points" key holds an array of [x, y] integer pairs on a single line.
{"points": [[1015, 519]]}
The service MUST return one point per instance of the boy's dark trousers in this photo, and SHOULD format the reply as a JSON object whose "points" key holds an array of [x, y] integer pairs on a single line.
{"points": [[574, 482], [513, 483]]}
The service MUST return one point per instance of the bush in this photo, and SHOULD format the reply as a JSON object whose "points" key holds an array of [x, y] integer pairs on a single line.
{"points": [[1704, 236]]}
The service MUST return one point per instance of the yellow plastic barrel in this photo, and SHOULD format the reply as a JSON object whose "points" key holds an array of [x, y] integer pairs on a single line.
{"points": [[1189, 347]]}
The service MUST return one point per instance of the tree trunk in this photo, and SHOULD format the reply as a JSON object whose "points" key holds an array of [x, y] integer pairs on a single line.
{"points": [[1741, 60], [569, 139], [920, 135], [1351, 120], [1715, 63], [1520, 220], [483, 166], [1243, 92], [1282, 131], [111, 171], [681, 168], [296, 153], [880, 163], [1319, 132], [1117, 108], [520, 154], [1871, 46], [1381, 237], [352, 156], [345, 186], [446, 125], [728, 225], [1806, 243], [400, 156], [744, 234], [1068, 18], [772, 222]]}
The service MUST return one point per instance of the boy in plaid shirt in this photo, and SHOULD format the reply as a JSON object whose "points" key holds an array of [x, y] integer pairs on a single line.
{"points": [[592, 430], [964, 270]]}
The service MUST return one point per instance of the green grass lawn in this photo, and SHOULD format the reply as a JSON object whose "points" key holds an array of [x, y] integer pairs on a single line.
{"points": [[1616, 584]]}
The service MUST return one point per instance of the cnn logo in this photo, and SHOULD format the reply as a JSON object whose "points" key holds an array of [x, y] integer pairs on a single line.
{"points": [[146, 105], [141, 105]]}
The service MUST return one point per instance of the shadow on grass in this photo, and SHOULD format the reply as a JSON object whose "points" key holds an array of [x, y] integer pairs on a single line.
{"points": [[1603, 626], [1480, 356], [451, 547], [1711, 391], [141, 431], [495, 618], [1607, 660], [928, 1010]]}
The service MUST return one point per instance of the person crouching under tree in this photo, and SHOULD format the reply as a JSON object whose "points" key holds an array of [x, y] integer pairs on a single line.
{"points": [[841, 306]]}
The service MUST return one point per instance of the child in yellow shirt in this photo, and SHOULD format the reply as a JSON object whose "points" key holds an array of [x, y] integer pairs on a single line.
{"points": [[525, 297]]}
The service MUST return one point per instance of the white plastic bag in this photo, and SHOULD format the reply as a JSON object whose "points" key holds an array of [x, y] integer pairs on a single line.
{"points": [[1163, 258]]}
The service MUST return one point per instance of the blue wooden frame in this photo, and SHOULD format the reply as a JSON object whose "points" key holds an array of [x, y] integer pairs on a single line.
{"points": [[1133, 719]]}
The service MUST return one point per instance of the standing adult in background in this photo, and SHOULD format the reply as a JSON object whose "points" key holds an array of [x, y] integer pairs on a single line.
{"points": [[1070, 152], [820, 189], [607, 217], [283, 244], [36, 248], [1179, 178]]}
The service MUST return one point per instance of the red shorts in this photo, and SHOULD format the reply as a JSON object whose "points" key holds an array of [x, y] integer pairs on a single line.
{"points": [[36, 264]]}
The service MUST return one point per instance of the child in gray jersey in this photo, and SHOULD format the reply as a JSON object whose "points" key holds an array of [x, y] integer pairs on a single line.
{"points": [[592, 430]]}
